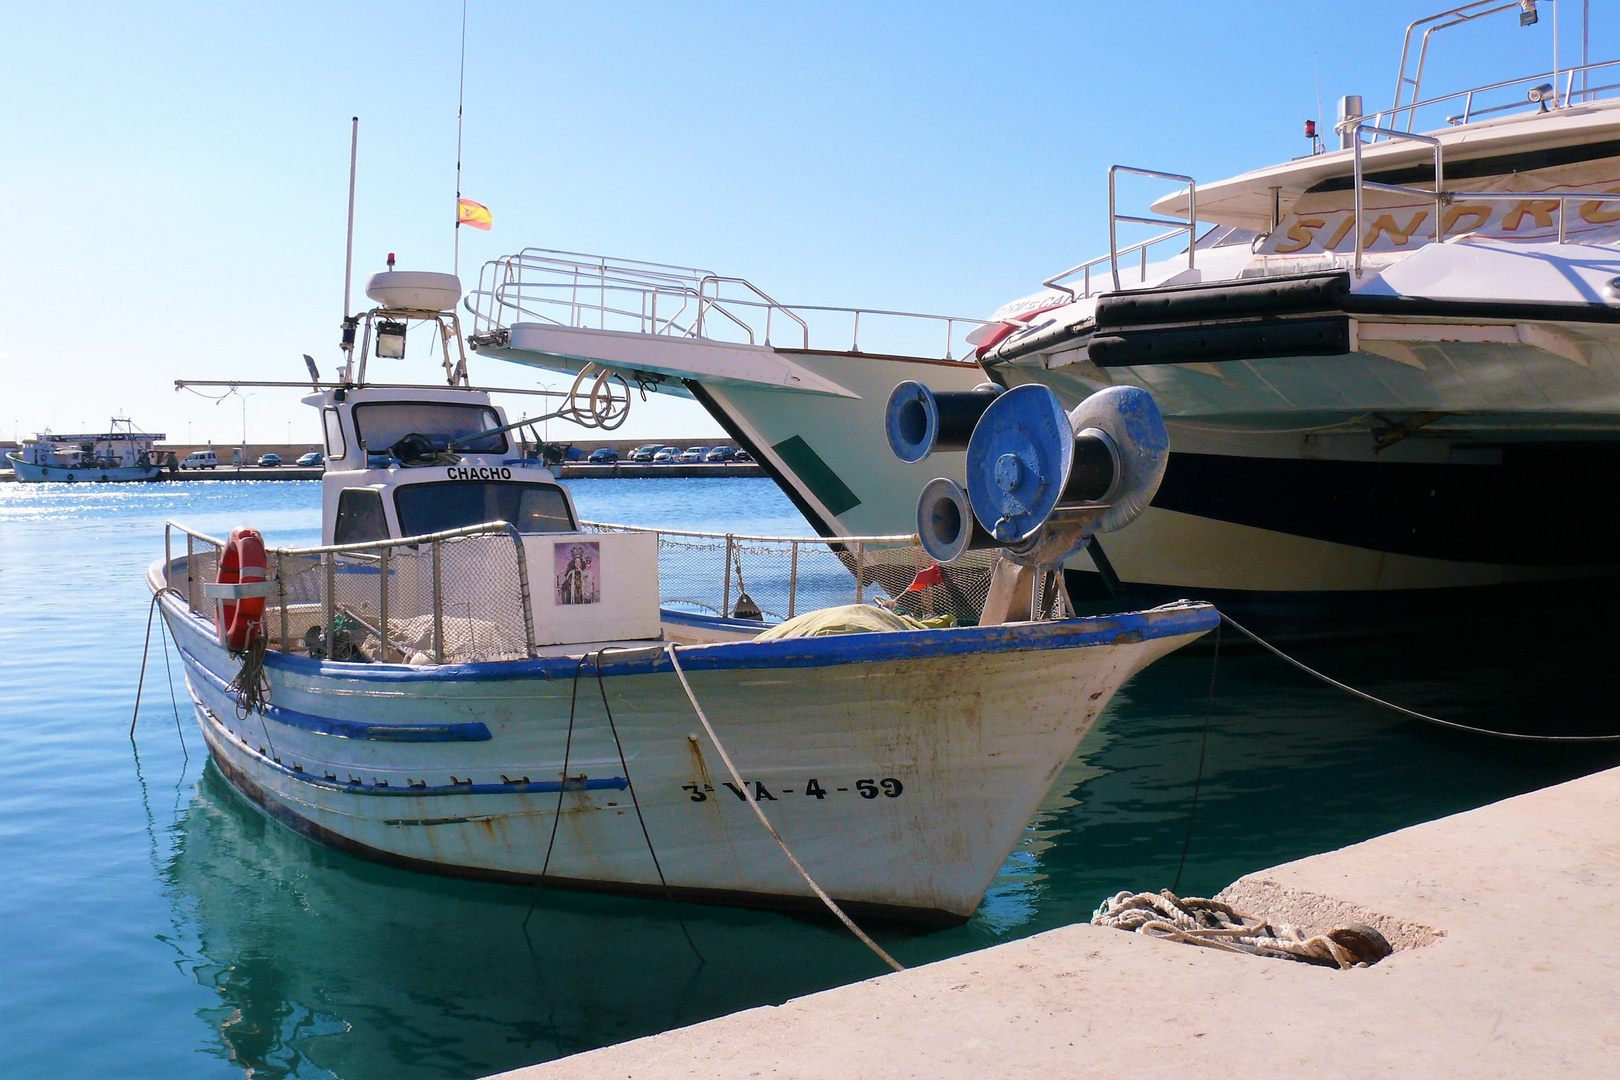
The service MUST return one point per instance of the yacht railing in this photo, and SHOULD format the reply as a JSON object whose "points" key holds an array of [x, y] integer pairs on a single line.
{"points": [[1548, 97], [595, 292], [1441, 197], [1544, 94], [1177, 229]]}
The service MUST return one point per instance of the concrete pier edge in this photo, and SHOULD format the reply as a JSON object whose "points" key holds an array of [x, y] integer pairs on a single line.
{"points": [[1506, 921]]}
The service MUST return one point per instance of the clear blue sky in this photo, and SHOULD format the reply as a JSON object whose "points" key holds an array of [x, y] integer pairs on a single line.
{"points": [[176, 174]]}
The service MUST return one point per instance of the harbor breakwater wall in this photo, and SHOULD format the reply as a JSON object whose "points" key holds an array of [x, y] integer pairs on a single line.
{"points": [[229, 470]]}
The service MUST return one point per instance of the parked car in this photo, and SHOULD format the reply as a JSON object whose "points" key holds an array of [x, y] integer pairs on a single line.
{"points": [[314, 457], [573, 453], [645, 452], [694, 454], [720, 453], [604, 455], [269, 461], [742, 455], [202, 459], [667, 455]]}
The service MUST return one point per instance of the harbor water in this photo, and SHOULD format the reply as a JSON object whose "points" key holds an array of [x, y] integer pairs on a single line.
{"points": [[153, 924]]}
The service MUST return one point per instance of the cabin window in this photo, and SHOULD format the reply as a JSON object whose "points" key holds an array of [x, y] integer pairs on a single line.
{"points": [[360, 517], [455, 504], [335, 445], [380, 424]]}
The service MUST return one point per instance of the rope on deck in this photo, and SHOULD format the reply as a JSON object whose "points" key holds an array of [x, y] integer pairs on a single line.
{"points": [[1215, 925], [736, 778]]}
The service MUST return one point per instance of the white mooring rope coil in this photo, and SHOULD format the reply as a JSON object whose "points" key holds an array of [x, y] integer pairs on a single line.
{"points": [[1215, 925]]}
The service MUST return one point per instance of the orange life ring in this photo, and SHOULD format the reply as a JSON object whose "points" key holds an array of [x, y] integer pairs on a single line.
{"points": [[243, 560]]}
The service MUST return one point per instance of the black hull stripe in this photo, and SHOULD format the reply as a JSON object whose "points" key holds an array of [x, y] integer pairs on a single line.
{"points": [[1460, 513]]}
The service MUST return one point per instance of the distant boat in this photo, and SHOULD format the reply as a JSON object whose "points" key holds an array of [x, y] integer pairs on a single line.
{"points": [[119, 455]]}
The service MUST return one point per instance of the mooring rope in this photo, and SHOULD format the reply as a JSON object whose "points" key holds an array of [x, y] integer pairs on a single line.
{"points": [[140, 683], [624, 765], [1203, 747], [251, 685], [1269, 647], [169, 672], [832, 905], [1214, 925], [556, 817]]}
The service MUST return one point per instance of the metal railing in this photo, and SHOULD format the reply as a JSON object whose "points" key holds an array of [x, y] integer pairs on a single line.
{"points": [[1466, 13], [377, 589], [1188, 228], [1361, 183], [398, 600], [1443, 198], [595, 292], [1389, 118], [787, 575]]}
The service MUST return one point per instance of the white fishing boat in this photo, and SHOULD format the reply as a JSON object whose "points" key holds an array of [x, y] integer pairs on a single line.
{"points": [[1365, 350], [121, 454], [464, 678]]}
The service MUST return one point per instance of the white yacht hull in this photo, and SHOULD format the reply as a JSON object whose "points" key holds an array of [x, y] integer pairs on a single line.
{"points": [[1309, 531]]}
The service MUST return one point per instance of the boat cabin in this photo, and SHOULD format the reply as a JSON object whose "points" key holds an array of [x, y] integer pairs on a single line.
{"points": [[418, 461]]}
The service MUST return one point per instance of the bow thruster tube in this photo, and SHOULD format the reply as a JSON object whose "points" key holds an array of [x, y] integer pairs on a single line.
{"points": [[919, 421]]}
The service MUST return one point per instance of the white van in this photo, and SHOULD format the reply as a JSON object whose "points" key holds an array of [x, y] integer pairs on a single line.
{"points": [[202, 459]]}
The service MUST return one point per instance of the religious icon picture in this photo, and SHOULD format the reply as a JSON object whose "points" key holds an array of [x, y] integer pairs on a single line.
{"points": [[579, 572]]}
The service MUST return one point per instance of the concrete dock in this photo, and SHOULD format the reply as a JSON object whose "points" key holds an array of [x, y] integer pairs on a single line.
{"points": [[1505, 920]]}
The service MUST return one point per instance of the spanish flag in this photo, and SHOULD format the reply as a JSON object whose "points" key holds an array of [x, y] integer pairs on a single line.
{"points": [[475, 214]]}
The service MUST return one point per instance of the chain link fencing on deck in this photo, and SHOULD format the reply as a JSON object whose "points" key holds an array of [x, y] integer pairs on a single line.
{"points": [[463, 596], [454, 597]]}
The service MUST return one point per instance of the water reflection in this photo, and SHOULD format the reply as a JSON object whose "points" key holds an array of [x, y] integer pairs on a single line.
{"points": [[330, 966], [326, 965]]}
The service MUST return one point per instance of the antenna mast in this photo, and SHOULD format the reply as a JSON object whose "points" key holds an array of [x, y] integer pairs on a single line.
{"points": [[349, 322], [461, 97]]}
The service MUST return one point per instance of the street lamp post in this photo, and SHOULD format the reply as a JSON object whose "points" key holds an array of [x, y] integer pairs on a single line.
{"points": [[242, 454]]}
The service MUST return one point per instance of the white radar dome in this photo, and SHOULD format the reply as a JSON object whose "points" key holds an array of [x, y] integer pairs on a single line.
{"points": [[418, 290]]}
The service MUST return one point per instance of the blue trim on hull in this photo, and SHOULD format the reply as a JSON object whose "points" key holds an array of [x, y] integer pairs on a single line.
{"points": [[471, 731], [1125, 629], [810, 906], [719, 622], [524, 786]]}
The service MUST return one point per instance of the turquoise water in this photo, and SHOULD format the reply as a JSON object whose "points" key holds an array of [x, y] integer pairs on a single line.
{"points": [[152, 924]]}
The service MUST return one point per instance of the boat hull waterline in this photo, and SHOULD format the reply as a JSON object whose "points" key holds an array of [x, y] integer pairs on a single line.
{"points": [[900, 774], [29, 473]]}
